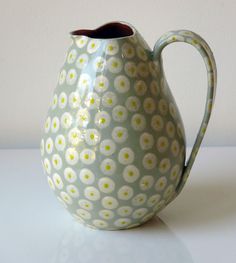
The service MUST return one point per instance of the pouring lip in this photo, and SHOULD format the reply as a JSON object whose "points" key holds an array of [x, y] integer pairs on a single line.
{"points": [[89, 33]]}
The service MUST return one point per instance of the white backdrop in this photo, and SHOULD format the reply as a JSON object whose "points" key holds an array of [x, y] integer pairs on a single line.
{"points": [[34, 38]]}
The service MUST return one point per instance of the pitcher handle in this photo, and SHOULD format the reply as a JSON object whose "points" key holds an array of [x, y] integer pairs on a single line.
{"points": [[205, 51]]}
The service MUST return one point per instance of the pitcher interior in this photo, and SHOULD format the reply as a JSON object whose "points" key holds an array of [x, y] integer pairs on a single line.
{"points": [[110, 30]]}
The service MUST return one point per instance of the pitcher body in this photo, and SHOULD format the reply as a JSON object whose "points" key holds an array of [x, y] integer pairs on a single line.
{"points": [[113, 147]]}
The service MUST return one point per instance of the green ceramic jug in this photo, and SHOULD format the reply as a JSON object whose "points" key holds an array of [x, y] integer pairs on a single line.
{"points": [[113, 147]]}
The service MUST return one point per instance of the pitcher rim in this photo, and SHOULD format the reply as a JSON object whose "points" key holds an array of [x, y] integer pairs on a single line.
{"points": [[81, 32]]}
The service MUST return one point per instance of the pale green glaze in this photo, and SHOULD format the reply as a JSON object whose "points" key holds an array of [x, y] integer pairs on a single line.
{"points": [[113, 147]]}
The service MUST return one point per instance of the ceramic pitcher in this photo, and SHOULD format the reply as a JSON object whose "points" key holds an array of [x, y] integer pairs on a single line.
{"points": [[113, 146]]}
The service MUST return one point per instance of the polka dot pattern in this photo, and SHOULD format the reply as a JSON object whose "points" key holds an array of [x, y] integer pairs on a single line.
{"points": [[113, 147]]}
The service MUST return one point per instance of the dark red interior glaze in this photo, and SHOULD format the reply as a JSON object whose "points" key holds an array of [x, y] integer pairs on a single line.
{"points": [[111, 30]]}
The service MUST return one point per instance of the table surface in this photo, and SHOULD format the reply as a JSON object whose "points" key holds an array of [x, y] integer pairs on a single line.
{"points": [[198, 226]]}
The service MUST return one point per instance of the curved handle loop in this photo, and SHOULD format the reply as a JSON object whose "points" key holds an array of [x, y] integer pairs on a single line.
{"points": [[195, 40]]}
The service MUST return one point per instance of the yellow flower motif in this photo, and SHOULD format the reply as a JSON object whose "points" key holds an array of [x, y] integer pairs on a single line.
{"points": [[109, 99], [154, 87], [106, 185], [66, 120], [71, 156], [87, 156], [81, 41], [83, 117], [122, 222], [100, 223], [125, 192], [72, 190], [56, 161], [102, 119], [128, 50], [141, 53], [131, 69], [83, 213], [82, 61], [122, 84], [92, 136], [119, 113], [170, 129], [112, 47], [47, 166], [62, 101], [86, 176], [138, 213], [74, 100], [146, 141], [164, 165], [180, 130], [92, 101], [108, 166], [132, 103], [146, 182], [149, 161], [174, 38], [133, 39], [58, 181], [126, 156], [106, 214], [162, 144], [71, 77], [138, 122], [49, 145], [93, 46], [107, 147], [92, 193], [140, 87], [139, 199], [169, 191], [157, 123], [50, 183], [55, 124], [75, 136], [84, 81], [203, 129], [54, 101], [47, 124], [154, 199], [163, 106], [175, 172], [66, 198], [114, 65], [85, 204], [131, 173], [149, 105], [172, 110], [42, 147], [99, 64], [70, 175], [101, 83], [71, 56], [175, 148], [62, 77], [119, 134], [124, 210], [109, 202], [142, 69], [154, 68]]}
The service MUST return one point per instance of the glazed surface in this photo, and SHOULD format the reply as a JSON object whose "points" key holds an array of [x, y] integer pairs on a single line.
{"points": [[113, 146]]}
